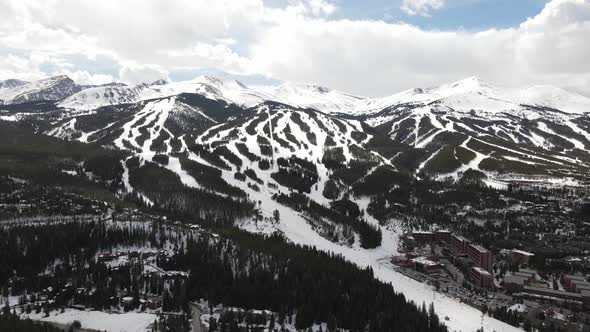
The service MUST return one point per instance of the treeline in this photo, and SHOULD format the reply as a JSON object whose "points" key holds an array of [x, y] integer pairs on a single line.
{"points": [[12, 323], [209, 177], [50, 267], [513, 318], [21, 199], [42, 160], [296, 173], [289, 279], [168, 194], [28, 252], [237, 269], [341, 213]]}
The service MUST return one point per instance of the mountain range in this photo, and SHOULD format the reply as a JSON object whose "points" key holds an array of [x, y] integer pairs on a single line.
{"points": [[337, 168], [440, 131]]}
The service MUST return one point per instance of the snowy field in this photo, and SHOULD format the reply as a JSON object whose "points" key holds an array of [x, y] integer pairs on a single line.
{"points": [[461, 317], [98, 320]]}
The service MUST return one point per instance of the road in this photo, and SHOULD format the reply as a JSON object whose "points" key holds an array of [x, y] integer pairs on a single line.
{"points": [[196, 318]]}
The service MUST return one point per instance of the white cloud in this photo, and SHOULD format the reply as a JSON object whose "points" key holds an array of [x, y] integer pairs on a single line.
{"points": [[300, 41], [377, 58], [14, 66], [420, 7], [211, 55], [136, 74], [85, 77], [319, 7]]}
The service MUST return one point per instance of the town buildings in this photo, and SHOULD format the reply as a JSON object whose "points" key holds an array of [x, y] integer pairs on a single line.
{"points": [[481, 278], [480, 256]]}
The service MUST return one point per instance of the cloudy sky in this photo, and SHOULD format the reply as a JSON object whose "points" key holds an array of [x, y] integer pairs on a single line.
{"points": [[369, 47]]}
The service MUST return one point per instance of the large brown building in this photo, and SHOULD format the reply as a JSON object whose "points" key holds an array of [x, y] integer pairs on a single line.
{"points": [[515, 283], [425, 236], [481, 278], [549, 293], [571, 282], [422, 236], [480, 255], [459, 244], [520, 256], [444, 236], [425, 265], [578, 285]]}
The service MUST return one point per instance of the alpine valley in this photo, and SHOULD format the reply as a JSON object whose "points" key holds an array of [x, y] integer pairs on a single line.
{"points": [[301, 179]]}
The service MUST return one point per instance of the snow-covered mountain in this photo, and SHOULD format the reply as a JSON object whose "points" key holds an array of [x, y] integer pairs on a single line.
{"points": [[475, 94], [454, 127], [307, 151], [231, 91], [313, 96], [465, 95], [53, 89], [128, 126], [11, 83], [472, 124]]}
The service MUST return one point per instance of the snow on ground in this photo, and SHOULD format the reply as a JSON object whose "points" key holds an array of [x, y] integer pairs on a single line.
{"points": [[10, 118], [577, 144], [518, 307], [475, 94], [98, 320], [422, 164], [12, 300], [128, 187], [496, 184], [472, 164], [461, 316]]}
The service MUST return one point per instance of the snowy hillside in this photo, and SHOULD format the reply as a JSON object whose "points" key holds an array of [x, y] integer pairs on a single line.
{"points": [[475, 94], [230, 91], [314, 96], [337, 180], [462, 96], [472, 124], [11, 83], [137, 125], [285, 158], [53, 88], [469, 124]]}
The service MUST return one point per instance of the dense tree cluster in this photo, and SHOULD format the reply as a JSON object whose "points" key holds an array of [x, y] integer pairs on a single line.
{"points": [[342, 212], [243, 149], [167, 192], [211, 157], [92, 170], [296, 173], [21, 199], [209, 177], [12, 323], [331, 190], [238, 270], [329, 289]]}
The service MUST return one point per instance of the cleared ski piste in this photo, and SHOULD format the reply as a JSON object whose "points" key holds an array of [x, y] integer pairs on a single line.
{"points": [[462, 317]]}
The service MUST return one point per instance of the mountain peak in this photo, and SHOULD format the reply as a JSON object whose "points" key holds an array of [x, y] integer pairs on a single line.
{"points": [[472, 82], [11, 83], [240, 84], [158, 82], [52, 89], [58, 78], [208, 79], [301, 86]]}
